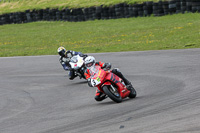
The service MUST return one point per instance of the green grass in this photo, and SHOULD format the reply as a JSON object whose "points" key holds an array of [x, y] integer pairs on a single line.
{"points": [[133, 34], [22, 5]]}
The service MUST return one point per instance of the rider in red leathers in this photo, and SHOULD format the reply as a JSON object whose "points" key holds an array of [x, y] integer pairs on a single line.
{"points": [[90, 62]]}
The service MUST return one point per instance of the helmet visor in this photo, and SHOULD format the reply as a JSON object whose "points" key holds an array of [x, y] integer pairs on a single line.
{"points": [[89, 64], [62, 53]]}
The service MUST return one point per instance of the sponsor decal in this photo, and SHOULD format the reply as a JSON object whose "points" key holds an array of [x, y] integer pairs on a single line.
{"points": [[113, 78], [124, 90]]}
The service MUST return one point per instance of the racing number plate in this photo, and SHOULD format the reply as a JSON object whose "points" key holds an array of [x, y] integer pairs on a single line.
{"points": [[96, 81]]}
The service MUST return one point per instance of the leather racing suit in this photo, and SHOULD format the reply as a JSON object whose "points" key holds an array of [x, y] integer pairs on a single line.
{"points": [[64, 61], [99, 96]]}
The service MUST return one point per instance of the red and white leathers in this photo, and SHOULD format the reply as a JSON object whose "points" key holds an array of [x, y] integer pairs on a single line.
{"points": [[99, 96], [101, 64]]}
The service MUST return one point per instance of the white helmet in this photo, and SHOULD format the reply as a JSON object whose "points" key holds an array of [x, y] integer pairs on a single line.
{"points": [[89, 61]]}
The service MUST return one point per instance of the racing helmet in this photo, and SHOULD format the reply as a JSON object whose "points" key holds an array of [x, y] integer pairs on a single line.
{"points": [[61, 51], [89, 61]]}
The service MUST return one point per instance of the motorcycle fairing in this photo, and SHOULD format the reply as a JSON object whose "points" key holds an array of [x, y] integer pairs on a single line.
{"points": [[112, 79], [100, 78]]}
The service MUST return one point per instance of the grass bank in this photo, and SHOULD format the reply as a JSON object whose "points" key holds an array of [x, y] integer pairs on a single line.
{"points": [[22, 5], [133, 34]]}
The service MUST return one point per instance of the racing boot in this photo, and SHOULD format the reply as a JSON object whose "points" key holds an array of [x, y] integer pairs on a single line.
{"points": [[72, 75], [131, 89], [100, 95], [127, 83]]}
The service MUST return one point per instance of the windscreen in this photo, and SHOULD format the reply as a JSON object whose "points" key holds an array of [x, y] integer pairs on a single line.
{"points": [[94, 70], [74, 59]]}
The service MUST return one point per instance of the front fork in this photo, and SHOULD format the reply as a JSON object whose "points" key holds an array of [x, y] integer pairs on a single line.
{"points": [[113, 89]]}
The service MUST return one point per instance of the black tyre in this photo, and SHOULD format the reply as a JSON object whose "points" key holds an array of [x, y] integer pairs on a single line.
{"points": [[133, 93], [112, 93]]}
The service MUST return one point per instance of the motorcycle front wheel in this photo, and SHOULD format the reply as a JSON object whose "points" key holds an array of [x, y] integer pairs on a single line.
{"points": [[112, 93]]}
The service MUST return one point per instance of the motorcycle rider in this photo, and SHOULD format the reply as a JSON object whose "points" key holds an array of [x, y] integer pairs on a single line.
{"points": [[64, 59], [90, 62]]}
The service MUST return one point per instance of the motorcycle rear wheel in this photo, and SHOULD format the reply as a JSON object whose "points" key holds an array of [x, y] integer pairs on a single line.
{"points": [[133, 93], [115, 96]]}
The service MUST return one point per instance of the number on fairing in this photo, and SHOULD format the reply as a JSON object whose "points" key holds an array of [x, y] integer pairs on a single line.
{"points": [[95, 82]]}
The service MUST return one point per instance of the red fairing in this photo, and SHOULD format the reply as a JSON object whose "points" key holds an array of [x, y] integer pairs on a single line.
{"points": [[124, 92], [111, 78]]}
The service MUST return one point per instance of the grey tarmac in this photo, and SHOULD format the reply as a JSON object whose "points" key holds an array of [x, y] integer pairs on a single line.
{"points": [[36, 95]]}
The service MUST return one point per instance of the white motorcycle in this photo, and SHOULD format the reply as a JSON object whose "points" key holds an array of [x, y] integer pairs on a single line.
{"points": [[77, 64]]}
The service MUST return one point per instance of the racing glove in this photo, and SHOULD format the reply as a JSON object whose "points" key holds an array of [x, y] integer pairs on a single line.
{"points": [[89, 82], [83, 55], [106, 66]]}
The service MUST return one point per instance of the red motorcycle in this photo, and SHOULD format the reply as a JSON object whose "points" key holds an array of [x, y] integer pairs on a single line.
{"points": [[110, 84]]}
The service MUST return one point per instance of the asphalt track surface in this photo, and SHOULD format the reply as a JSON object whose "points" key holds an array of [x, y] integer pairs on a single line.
{"points": [[36, 96]]}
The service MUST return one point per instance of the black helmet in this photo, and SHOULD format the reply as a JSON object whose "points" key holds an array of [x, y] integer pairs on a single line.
{"points": [[61, 51]]}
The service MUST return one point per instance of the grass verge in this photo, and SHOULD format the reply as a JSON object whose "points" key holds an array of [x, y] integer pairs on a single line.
{"points": [[22, 5], [178, 31]]}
